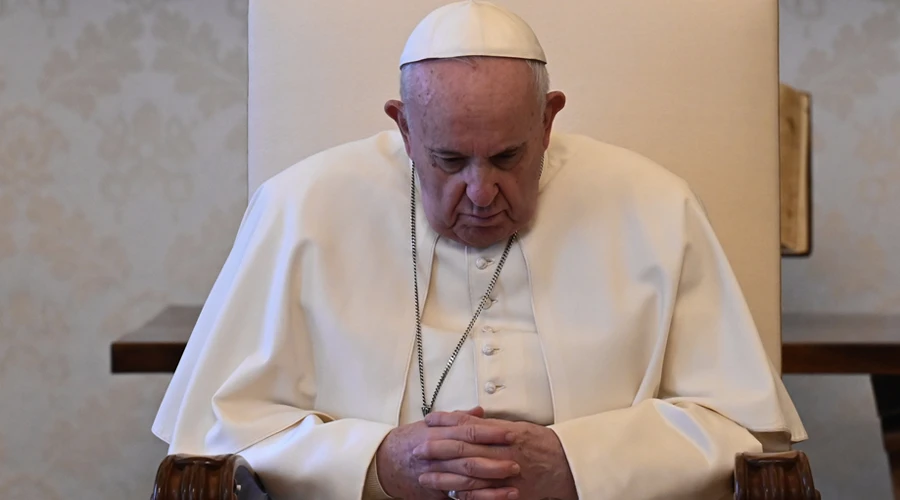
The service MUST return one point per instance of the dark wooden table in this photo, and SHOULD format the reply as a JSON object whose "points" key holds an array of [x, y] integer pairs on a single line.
{"points": [[840, 343], [812, 343], [157, 346]]}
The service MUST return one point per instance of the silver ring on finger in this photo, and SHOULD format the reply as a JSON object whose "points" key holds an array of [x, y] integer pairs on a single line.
{"points": [[452, 494]]}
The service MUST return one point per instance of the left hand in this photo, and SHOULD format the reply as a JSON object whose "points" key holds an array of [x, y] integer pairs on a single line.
{"points": [[545, 470]]}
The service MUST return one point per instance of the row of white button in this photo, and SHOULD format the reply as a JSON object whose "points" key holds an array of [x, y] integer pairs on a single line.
{"points": [[488, 350]]}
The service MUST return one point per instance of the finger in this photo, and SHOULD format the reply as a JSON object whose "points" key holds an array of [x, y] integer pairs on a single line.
{"points": [[449, 449], [446, 481], [476, 434], [476, 412], [477, 467], [505, 493], [451, 418]]}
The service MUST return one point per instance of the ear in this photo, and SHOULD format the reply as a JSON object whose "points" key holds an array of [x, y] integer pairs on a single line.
{"points": [[395, 110], [556, 101]]}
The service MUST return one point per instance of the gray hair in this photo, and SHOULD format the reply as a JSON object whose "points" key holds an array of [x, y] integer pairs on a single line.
{"points": [[538, 69]]}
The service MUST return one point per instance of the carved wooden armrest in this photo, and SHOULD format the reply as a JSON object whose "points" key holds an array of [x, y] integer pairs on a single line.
{"points": [[757, 476], [773, 476], [223, 477]]}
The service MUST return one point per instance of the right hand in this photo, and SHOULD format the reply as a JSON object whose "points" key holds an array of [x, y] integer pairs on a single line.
{"points": [[399, 469]]}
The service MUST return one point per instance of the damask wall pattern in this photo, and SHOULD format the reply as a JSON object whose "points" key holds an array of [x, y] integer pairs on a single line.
{"points": [[123, 180], [122, 183], [847, 54]]}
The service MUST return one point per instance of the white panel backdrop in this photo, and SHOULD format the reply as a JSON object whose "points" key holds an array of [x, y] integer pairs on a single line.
{"points": [[692, 84]]}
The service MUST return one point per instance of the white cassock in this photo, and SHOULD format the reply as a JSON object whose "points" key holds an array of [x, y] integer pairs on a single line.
{"points": [[616, 320]]}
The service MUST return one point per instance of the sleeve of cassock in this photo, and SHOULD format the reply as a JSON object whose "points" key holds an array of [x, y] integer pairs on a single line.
{"points": [[246, 382], [714, 374]]}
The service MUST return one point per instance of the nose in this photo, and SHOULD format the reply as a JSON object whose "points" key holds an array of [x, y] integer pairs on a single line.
{"points": [[481, 188]]}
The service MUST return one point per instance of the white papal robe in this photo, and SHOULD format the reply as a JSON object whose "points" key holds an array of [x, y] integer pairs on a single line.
{"points": [[638, 348]]}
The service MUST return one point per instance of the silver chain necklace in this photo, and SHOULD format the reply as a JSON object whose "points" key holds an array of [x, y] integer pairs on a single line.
{"points": [[426, 406]]}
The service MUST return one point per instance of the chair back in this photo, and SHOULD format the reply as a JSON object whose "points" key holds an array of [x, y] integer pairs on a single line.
{"points": [[692, 84]]}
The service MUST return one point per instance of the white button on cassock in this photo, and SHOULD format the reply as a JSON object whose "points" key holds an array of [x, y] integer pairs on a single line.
{"points": [[504, 344]]}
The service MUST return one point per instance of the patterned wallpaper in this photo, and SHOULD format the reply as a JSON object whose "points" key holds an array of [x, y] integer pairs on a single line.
{"points": [[122, 183], [123, 178], [847, 54]]}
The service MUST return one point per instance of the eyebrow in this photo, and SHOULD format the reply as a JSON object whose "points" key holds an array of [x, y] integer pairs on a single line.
{"points": [[450, 152]]}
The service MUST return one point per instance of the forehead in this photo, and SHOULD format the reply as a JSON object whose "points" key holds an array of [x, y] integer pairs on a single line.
{"points": [[462, 80], [485, 103]]}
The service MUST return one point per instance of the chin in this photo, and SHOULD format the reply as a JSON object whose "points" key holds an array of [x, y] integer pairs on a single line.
{"points": [[482, 237]]}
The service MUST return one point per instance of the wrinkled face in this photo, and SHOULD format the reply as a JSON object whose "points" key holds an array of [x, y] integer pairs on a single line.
{"points": [[477, 134]]}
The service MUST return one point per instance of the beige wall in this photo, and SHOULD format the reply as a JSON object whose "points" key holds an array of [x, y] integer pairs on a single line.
{"points": [[122, 182], [847, 53]]}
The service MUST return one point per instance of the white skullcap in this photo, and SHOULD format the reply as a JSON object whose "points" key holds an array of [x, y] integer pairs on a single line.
{"points": [[472, 28]]}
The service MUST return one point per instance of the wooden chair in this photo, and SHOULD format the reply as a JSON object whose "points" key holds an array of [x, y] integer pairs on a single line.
{"points": [[692, 84]]}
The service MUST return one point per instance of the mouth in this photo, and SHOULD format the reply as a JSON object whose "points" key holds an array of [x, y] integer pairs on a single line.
{"points": [[482, 220]]}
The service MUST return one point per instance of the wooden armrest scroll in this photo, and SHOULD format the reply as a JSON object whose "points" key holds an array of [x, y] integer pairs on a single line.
{"points": [[224, 477], [773, 476]]}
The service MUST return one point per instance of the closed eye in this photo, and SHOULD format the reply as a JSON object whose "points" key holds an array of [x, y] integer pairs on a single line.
{"points": [[450, 164], [504, 158]]}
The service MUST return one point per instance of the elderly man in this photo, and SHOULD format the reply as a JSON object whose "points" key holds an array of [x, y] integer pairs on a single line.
{"points": [[476, 307]]}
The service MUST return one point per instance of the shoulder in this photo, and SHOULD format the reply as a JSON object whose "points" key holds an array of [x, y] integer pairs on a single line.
{"points": [[343, 175], [589, 160], [608, 173], [380, 158]]}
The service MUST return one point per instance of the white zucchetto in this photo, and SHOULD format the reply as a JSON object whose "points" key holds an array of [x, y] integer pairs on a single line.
{"points": [[472, 28]]}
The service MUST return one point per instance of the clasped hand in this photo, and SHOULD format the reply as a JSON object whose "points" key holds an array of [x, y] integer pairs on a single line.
{"points": [[482, 459]]}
